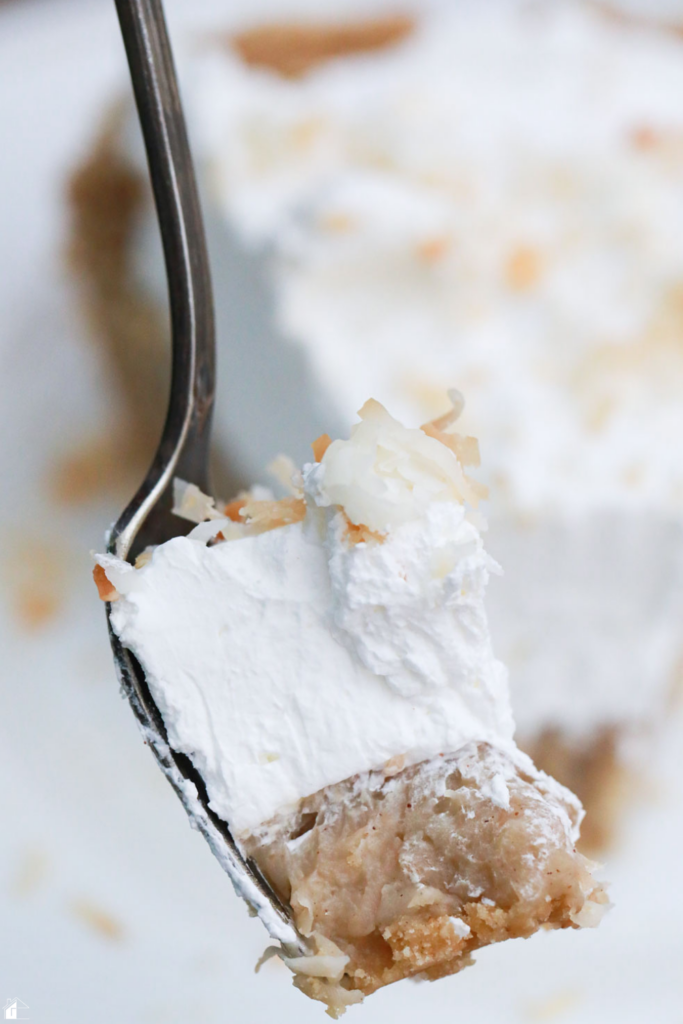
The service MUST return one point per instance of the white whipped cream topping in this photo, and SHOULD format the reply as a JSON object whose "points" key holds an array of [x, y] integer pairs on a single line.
{"points": [[411, 609], [289, 660]]}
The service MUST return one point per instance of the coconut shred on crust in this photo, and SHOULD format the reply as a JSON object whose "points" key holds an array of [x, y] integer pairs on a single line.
{"points": [[352, 609]]}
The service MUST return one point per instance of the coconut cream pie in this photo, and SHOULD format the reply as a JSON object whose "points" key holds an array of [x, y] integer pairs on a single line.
{"points": [[504, 183], [325, 661]]}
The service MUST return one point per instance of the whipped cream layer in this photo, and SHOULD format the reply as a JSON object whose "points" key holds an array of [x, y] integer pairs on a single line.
{"points": [[287, 660]]}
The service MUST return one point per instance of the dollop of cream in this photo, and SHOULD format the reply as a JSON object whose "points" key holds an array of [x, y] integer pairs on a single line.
{"points": [[412, 608]]}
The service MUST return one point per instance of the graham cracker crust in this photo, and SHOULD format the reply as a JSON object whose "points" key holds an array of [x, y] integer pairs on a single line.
{"points": [[292, 50], [407, 874]]}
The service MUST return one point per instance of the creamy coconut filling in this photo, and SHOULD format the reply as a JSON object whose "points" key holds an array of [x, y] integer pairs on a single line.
{"points": [[326, 663], [406, 874]]}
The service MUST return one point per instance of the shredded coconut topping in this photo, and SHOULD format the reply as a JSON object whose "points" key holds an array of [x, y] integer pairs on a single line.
{"points": [[386, 474]]}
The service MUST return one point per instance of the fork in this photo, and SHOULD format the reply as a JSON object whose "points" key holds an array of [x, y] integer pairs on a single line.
{"points": [[184, 446]]}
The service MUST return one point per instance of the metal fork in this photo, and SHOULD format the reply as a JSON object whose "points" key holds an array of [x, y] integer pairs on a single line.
{"points": [[184, 447]]}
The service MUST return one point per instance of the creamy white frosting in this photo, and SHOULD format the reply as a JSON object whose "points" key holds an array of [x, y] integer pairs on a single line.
{"points": [[288, 660]]}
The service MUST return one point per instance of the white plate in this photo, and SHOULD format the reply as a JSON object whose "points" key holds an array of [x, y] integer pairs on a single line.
{"points": [[111, 909]]}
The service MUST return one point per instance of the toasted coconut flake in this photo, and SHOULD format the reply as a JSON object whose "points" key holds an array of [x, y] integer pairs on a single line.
{"points": [[478, 492], [327, 961], [523, 268], [386, 474], [268, 515], [143, 558], [466, 448], [234, 508], [320, 446], [431, 250], [472, 491], [449, 418], [192, 504], [268, 953], [293, 49], [318, 966], [358, 533], [105, 589]]}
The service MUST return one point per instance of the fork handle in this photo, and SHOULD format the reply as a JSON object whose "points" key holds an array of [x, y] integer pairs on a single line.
{"points": [[184, 447]]}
